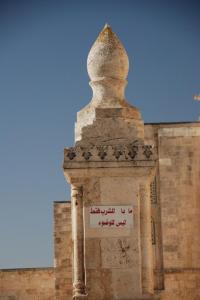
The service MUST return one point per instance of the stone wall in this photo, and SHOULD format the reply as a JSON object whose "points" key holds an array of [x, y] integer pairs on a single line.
{"points": [[63, 250], [27, 284], [45, 283], [182, 284], [179, 193], [179, 173]]}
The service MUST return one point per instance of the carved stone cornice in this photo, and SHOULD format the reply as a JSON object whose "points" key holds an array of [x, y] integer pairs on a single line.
{"points": [[133, 152]]}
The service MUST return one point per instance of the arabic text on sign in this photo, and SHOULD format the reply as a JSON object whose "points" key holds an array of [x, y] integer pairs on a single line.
{"points": [[111, 216]]}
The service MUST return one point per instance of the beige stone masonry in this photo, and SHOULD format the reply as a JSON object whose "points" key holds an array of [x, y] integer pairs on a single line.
{"points": [[179, 193], [62, 251], [179, 131], [27, 284]]}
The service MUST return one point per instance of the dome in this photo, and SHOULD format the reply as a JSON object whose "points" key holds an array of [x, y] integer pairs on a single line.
{"points": [[107, 57]]}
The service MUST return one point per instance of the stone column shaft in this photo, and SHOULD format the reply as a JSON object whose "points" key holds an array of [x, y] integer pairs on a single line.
{"points": [[78, 242], [146, 243]]}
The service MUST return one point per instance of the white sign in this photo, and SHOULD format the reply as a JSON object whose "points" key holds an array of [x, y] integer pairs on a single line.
{"points": [[111, 216]]}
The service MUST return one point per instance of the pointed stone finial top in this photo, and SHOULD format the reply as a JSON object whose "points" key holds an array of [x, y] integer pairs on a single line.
{"points": [[107, 57], [105, 117], [106, 25], [107, 66]]}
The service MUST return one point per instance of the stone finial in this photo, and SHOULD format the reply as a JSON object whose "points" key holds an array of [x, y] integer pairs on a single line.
{"points": [[107, 57], [107, 66], [108, 118]]}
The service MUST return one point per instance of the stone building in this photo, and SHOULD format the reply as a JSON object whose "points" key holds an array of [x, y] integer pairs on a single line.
{"points": [[131, 229]]}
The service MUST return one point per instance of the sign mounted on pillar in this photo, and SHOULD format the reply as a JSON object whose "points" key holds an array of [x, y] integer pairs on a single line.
{"points": [[111, 216]]}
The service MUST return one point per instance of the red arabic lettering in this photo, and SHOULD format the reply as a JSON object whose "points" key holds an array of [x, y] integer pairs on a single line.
{"points": [[107, 223], [97, 210], [122, 223]]}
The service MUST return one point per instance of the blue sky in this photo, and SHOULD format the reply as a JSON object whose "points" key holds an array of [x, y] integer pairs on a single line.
{"points": [[44, 82]]}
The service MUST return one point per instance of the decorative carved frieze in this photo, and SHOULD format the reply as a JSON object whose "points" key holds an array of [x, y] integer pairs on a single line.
{"points": [[147, 151], [128, 152]]}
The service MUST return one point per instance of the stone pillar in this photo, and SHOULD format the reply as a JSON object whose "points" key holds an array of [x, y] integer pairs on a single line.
{"points": [[112, 159], [78, 242], [114, 259], [146, 243]]}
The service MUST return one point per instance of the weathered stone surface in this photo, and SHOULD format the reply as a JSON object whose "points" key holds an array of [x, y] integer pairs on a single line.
{"points": [[108, 117], [109, 153], [101, 286], [182, 284], [62, 251], [27, 284], [117, 253], [179, 193]]}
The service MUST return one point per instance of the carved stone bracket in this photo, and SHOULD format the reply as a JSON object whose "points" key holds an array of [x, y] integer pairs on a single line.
{"points": [[110, 153]]}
